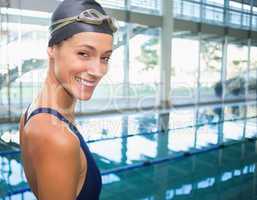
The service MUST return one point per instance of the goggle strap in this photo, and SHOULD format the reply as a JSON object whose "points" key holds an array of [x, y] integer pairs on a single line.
{"points": [[100, 19], [64, 20], [93, 17], [94, 13], [61, 26], [65, 23]]}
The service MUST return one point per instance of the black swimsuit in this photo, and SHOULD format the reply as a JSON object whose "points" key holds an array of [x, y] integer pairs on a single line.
{"points": [[91, 188]]}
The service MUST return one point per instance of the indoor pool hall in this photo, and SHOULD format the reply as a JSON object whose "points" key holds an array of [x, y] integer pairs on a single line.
{"points": [[128, 100]]}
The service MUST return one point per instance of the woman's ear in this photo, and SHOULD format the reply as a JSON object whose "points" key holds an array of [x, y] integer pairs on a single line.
{"points": [[50, 52]]}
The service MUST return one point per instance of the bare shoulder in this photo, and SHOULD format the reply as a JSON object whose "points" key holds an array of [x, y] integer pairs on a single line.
{"points": [[44, 133], [55, 156]]}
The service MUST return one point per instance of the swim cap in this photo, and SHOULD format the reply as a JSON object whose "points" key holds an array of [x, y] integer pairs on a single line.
{"points": [[82, 16]]}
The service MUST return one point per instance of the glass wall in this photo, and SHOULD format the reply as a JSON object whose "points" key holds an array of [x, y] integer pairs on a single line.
{"points": [[237, 61], [133, 79], [252, 81], [200, 61], [185, 63], [144, 67], [3, 65], [23, 57], [210, 68]]}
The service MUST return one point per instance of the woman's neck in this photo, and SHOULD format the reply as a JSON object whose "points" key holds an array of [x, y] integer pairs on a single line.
{"points": [[54, 95]]}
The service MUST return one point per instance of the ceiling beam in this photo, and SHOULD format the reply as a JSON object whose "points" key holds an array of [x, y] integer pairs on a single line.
{"points": [[121, 15]]}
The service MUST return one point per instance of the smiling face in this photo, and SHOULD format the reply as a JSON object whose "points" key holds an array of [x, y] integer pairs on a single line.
{"points": [[81, 61]]}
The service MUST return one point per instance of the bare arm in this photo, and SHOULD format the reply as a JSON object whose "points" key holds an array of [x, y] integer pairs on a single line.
{"points": [[55, 155]]}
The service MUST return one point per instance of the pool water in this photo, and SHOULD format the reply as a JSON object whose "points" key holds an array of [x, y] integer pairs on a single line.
{"points": [[228, 173], [191, 153]]}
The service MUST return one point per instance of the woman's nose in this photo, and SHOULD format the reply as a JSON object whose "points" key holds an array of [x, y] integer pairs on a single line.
{"points": [[97, 68]]}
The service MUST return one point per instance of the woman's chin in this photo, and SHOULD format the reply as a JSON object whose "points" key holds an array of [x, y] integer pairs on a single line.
{"points": [[83, 93], [84, 97]]}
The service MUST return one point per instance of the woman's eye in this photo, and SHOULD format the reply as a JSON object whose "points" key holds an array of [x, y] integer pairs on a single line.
{"points": [[106, 59], [83, 54]]}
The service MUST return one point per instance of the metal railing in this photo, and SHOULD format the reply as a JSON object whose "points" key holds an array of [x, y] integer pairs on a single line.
{"points": [[149, 6], [215, 14]]}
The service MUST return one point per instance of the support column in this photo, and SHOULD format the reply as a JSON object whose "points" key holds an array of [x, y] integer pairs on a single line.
{"points": [[126, 63], [124, 140], [251, 17], [8, 68], [20, 62], [165, 87], [249, 43], [166, 40], [4, 3], [198, 81], [226, 14], [197, 90], [1, 40], [202, 11], [224, 65], [126, 54]]}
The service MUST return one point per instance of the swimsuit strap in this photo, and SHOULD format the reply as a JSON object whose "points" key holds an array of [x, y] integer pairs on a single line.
{"points": [[55, 113], [25, 116]]}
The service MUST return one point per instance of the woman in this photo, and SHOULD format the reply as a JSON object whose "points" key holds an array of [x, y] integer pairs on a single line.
{"points": [[57, 161]]}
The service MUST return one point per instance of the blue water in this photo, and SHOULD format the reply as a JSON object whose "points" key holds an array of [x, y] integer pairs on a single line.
{"points": [[128, 140]]}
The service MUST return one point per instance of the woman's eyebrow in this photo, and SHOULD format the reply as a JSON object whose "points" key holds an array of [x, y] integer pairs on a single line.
{"points": [[94, 49], [88, 46], [109, 51]]}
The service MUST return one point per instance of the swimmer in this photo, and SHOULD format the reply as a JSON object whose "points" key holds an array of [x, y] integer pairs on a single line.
{"points": [[57, 162]]}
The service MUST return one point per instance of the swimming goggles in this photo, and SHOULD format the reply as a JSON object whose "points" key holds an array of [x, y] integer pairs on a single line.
{"points": [[89, 16]]}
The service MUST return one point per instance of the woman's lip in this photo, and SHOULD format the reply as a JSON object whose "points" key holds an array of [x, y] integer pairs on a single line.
{"points": [[90, 83], [86, 80]]}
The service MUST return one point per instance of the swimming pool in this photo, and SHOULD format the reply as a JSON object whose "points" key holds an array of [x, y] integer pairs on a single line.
{"points": [[184, 153]]}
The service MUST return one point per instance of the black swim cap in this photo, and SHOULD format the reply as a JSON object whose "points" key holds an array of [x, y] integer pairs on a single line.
{"points": [[71, 8]]}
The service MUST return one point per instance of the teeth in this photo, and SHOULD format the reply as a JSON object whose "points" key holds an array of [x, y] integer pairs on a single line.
{"points": [[86, 83]]}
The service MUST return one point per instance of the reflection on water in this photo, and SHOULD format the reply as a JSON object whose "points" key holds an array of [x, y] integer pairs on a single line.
{"points": [[126, 140], [226, 174]]}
